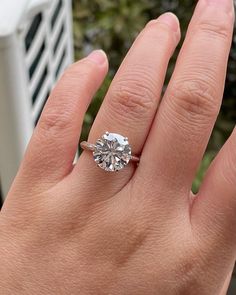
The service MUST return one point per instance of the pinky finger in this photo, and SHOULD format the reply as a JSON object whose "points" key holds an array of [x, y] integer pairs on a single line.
{"points": [[214, 209]]}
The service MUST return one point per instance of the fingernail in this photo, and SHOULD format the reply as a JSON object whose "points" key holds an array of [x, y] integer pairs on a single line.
{"points": [[226, 5], [98, 56], [169, 19]]}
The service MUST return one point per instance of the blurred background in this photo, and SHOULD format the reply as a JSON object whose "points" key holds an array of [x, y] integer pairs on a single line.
{"points": [[40, 38]]}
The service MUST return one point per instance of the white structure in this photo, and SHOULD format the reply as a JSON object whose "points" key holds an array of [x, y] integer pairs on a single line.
{"points": [[35, 47]]}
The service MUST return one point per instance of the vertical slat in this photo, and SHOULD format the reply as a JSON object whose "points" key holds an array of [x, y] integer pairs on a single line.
{"points": [[38, 38], [40, 101], [38, 73], [69, 33]]}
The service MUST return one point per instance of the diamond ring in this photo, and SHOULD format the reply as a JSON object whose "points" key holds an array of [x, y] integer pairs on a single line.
{"points": [[111, 152]]}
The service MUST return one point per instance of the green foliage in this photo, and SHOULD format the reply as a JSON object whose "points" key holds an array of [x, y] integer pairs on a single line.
{"points": [[207, 159], [113, 25]]}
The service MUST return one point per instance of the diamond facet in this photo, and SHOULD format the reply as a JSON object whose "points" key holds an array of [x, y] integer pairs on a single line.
{"points": [[112, 152]]}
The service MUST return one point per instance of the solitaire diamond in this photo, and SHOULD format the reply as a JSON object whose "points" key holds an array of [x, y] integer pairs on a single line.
{"points": [[112, 152]]}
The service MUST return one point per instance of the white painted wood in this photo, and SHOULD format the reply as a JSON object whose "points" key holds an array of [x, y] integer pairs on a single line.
{"points": [[58, 55], [15, 126], [35, 45], [38, 73], [40, 101], [17, 113], [35, 6], [11, 13], [61, 19]]}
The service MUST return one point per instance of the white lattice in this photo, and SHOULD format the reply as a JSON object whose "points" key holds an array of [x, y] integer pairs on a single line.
{"points": [[35, 48]]}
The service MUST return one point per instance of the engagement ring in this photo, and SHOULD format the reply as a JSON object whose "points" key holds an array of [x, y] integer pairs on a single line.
{"points": [[111, 152]]}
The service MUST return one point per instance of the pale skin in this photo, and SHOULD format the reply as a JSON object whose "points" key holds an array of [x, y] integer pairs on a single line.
{"points": [[76, 229]]}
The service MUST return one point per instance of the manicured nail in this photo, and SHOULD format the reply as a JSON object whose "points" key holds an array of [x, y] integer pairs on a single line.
{"points": [[169, 19], [98, 56], [226, 5]]}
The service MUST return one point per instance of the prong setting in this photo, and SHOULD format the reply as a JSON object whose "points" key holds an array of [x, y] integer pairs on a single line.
{"points": [[112, 152]]}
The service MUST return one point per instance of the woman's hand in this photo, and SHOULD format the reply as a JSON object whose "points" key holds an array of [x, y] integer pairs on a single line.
{"points": [[80, 230]]}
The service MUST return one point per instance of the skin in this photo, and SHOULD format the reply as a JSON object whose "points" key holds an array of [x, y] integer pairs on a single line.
{"points": [[76, 229]]}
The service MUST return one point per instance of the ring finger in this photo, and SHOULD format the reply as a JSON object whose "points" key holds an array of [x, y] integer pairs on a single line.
{"points": [[132, 100]]}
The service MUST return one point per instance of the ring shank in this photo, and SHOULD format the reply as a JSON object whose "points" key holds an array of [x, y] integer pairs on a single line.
{"points": [[91, 147], [87, 146]]}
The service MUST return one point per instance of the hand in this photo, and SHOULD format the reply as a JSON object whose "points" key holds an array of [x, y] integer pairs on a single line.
{"points": [[69, 229]]}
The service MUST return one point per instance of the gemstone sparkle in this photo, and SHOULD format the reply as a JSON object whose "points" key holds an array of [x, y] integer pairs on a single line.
{"points": [[112, 152]]}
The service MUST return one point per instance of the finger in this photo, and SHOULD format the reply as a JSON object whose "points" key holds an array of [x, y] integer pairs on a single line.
{"points": [[212, 214], [133, 97], [191, 103], [214, 208], [54, 143], [226, 284]]}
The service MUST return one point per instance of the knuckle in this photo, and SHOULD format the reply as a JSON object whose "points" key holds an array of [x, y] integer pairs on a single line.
{"points": [[55, 121], [186, 270], [134, 97], [195, 98], [218, 29], [186, 265]]}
